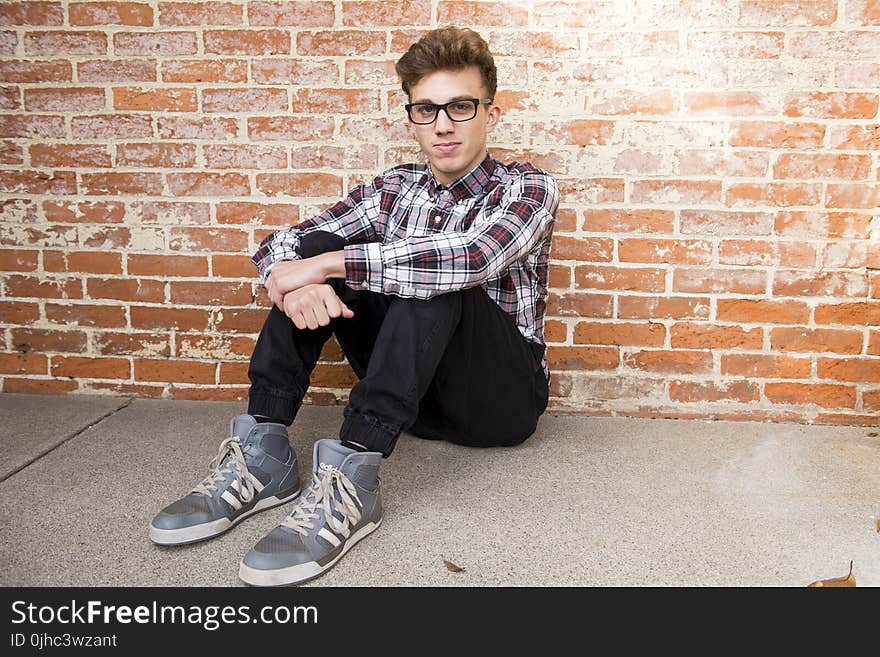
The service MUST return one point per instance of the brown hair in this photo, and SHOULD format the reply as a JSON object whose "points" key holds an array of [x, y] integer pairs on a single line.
{"points": [[447, 49]]}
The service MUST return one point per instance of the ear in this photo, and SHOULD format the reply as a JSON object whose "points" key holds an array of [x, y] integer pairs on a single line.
{"points": [[493, 117]]}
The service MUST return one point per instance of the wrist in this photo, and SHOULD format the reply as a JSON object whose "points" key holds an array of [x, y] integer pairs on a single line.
{"points": [[333, 264]]}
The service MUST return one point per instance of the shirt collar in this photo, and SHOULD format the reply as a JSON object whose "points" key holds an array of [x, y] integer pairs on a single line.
{"points": [[469, 185]]}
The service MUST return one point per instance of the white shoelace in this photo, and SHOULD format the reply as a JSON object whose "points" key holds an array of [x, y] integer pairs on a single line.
{"points": [[342, 497], [229, 458]]}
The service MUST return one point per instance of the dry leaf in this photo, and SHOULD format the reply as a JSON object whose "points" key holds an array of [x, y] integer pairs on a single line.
{"points": [[849, 580], [452, 567]]}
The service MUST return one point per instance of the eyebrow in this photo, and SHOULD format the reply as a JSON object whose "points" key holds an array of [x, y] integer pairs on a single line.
{"points": [[434, 102]]}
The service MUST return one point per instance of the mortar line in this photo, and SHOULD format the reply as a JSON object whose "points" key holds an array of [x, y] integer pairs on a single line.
{"points": [[67, 439]]}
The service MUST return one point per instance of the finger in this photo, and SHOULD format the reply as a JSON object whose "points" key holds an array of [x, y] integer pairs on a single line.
{"points": [[347, 312], [311, 320], [299, 321], [322, 315]]}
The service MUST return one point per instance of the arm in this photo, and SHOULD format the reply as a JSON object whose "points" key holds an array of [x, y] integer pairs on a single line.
{"points": [[443, 262]]}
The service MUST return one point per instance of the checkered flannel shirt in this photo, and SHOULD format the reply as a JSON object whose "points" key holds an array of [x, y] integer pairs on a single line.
{"points": [[410, 236]]}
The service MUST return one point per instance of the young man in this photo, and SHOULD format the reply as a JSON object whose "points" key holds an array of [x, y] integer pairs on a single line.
{"points": [[433, 277]]}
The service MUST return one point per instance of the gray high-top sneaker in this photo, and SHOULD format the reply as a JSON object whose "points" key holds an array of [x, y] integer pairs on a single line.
{"points": [[254, 469], [341, 506]]}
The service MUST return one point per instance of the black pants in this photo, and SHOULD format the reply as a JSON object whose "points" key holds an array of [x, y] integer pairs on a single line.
{"points": [[453, 367]]}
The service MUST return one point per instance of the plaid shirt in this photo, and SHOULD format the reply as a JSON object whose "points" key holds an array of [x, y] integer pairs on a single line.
{"points": [[410, 236]]}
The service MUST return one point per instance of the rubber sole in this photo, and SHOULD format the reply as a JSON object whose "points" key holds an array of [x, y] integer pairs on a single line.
{"points": [[195, 533], [303, 572]]}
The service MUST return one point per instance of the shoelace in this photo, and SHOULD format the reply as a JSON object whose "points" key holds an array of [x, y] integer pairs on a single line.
{"points": [[229, 458], [341, 497]]}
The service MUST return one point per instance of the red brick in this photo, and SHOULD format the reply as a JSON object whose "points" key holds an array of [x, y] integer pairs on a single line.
{"points": [[208, 184], [213, 128], [765, 253], [292, 14], [160, 44], [83, 211], [167, 265], [77, 99], [156, 155], [247, 42], [765, 366], [99, 237], [215, 346], [386, 12], [18, 312], [856, 75], [226, 393], [628, 221], [647, 334], [773, 13], [709, 336], [69, 155], [240, 320], [653, 307], [806, 166], [665, 251], [282, 71], [592, 190], [578, 248], [333, 376], [555, 331], [855, 137], [669, 361], [281, 214], [828, 396], [43, 340], [188, 239], [534, 44], [560, 276], [179, 319], [44, 288], [58, 42], [852, 196], [32, 13], [234, 373], [211, 293], [39, 386], [290, 128], [642, 279], [163, 212], [38, 182], [10, 98], [864, 313], [32, 127], [633, 44], [820, 284], [336, 101], [200, 13], [85, 315], [848, 255], [816, 340], [340, 43], [91, 262], [18, 260], [832, 105], [177, 371], [244, 100], [847, 225], [300, 184], [113, 126], [676, 191], [233, 266], [736, 45], [155, 100], [215, 70], [8, 43], [90, 368], [719, 281], [23, 70], [578, 14], [865, 369], [774, 134], [126, 289], [110, 13], [720, 222], [863, 12], [582, 358], [714, 391], [726, 103], [23, 363], [845, 45], [575, 132], [11, 153], [456, 12], [871, 401], [360, 73], [763, 311], [774, 194], [117, 70], [578, 304], [749, 164], [624, 102], [122, 183]]}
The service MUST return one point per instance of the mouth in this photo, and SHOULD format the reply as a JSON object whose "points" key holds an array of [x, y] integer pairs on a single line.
{"points": [[447, 146]]}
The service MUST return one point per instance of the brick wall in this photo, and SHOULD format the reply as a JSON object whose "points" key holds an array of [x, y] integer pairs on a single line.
{"points": [[717, 251]]}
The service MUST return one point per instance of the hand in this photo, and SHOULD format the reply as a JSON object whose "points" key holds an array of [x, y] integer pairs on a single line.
{"points": [[313, 306], [291, 275]]}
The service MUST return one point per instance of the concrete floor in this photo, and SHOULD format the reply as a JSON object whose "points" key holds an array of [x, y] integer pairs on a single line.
{"points": [[585, 502]]}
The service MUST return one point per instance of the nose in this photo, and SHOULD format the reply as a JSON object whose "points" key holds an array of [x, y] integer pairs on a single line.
{"points": [[443, 124]]}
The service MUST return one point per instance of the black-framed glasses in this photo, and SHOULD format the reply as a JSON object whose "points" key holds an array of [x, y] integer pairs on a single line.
{"points": [[463, 109]]}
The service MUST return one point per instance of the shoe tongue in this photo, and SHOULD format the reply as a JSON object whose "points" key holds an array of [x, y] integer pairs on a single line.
{"points": [[329, 453], [241, 426]]}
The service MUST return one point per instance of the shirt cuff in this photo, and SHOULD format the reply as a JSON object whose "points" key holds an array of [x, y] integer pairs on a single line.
{"points": [[363, 267]]}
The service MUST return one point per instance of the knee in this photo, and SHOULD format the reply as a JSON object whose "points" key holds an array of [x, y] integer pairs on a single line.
{"points": [[439, 306], [313, 244]]}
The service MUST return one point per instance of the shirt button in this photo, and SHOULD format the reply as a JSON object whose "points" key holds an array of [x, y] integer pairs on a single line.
{"points": [[437, 220], [364, 285]]}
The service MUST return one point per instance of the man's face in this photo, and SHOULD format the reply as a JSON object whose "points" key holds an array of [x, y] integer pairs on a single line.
{"points": [[453, 148]]}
